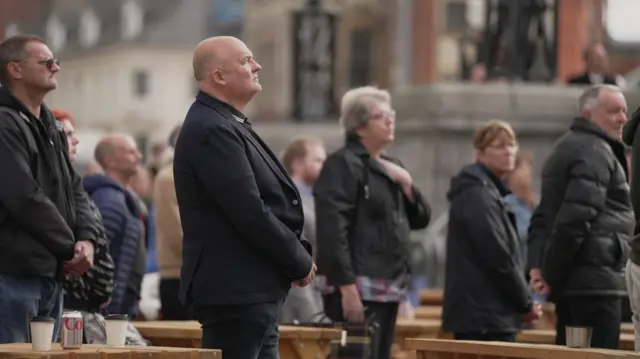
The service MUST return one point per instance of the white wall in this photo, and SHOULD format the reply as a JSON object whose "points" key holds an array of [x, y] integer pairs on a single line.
{"points": [[98, 90]]}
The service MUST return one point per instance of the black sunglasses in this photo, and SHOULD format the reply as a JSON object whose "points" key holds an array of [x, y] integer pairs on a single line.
{"points": [[49, 62]]}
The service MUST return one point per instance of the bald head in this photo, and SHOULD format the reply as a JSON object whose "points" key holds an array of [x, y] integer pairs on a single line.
{"points": [[214, 52], [118, 154], [105, 149], [225, 69]]}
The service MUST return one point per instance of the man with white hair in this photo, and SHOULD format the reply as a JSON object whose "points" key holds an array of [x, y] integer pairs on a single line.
{"points": [[578, 234]]}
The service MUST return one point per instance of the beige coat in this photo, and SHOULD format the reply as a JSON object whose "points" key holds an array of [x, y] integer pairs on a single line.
{"points": [[168, 226]]}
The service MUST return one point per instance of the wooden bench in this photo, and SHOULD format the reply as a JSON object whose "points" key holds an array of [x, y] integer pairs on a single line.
{"points": [[431, 328], [428, 312], [545, 336], [295, 342], [548, 320], [24, 351], [431, 297], [455, 349], [416, 328], [627, 328]]}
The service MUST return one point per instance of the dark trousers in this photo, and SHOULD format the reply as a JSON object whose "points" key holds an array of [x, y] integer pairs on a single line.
{"points": [[603, 314], [383, 314], [241, 331], [486, 336], [171, 308]]}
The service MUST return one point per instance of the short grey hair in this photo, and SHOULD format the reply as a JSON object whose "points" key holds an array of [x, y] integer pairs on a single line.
{"points": [[14, 49], [355, 107], [590, 98]]}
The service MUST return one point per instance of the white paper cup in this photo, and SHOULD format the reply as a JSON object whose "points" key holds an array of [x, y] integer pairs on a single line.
{"points": [[41, 332], [116, 325]]}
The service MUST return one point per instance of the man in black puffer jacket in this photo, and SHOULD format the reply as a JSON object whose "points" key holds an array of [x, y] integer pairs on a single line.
{"points": [[585, 218]]}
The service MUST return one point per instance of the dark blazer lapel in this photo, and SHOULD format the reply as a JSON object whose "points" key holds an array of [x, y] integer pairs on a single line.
{"points": [[262, 148], [269, 157]]}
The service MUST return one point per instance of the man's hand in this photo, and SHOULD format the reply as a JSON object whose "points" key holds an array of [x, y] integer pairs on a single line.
{"points": [[537, 283], [534, 314], [308, 279], [82, 259], [401, 176], [352, 308]]}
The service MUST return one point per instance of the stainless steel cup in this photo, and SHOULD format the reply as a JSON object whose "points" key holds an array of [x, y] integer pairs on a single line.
{"points": [[578, 337]]}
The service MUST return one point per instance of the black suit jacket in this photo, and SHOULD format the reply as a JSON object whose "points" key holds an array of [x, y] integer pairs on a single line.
{"points": [[241, 213]]}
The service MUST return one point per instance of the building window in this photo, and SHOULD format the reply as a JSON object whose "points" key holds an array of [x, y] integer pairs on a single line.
{"points": [[132, 19], [11, 30], [361, 43], [56, 33], [90, 28], [621, 21], [456, 17], [140, 83], [227, 18]]}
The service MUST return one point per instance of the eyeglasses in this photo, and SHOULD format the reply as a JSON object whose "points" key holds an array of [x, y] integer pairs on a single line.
{"points": [[49, 62], [384, 114]]}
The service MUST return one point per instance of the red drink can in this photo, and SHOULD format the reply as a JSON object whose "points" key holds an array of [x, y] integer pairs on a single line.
{"points": [[72, 330]]}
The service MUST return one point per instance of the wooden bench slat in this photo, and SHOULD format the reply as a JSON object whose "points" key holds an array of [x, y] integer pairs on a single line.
{"points": [[89, 351], [513, 350]]}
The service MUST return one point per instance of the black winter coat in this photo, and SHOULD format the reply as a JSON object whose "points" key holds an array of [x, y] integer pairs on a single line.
{"points": [[363, 219], [485, 287], [584, 219], [43, 208]]}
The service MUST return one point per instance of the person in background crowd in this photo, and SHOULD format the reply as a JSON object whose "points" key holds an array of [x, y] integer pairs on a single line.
{"points": [[169, 239], [139, 186], [93, 168], [91, 292], [366, 205], [88, 292], [67, 125], [486, 295], [522, 201], [303, 158], [522, 198], [631, 137], [597, 72], [47, 227], [585, 219], [119, 157], [229, 183], [157, 159]]}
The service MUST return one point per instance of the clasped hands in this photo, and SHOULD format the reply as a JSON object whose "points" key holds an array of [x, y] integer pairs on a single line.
{"points": [[82, 259]]}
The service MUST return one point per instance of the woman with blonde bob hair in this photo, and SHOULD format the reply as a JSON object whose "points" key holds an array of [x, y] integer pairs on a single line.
{"points": [[486, 295]]}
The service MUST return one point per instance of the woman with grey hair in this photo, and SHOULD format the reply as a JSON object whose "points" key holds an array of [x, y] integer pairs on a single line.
{"points": [[366, 204]]}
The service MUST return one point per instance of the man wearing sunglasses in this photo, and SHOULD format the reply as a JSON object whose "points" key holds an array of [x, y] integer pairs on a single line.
{"points": [[46, 224]]}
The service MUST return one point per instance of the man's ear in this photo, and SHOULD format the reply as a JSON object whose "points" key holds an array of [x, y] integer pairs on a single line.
{"points": [[14, 70], [218, 77]]}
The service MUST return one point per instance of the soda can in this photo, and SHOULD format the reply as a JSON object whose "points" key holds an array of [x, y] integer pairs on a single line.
{"points": [[72, 330]]}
